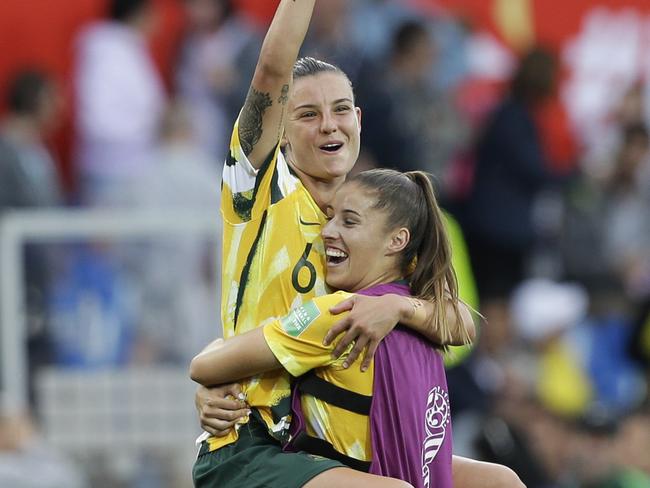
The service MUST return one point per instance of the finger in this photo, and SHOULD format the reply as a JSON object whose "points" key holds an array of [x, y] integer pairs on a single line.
{"points": [[223, 421], [343, 344], [343, 306], [218, 428], [210, 430], [358, 348], [218, 396], [369, 355], [222, 433], [225, 415], [335, 330], [235, 390], [224, 404]]}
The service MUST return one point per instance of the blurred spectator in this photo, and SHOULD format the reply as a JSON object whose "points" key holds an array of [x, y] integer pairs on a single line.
{"points": [[511, 169], [28, 175], [217, 59], [328, 38], [409, 123], [176, 318], [29, 179], [608, 212], [375, 24], [605, 454], [628, 225], [27, 462], [600, 155], [545, 315], [119, 100]]}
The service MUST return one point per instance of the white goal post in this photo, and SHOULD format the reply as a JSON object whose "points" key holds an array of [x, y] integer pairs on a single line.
{"points": [[21, 227]]}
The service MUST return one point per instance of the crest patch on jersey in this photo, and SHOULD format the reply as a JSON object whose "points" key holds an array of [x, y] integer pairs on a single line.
{"points": [[299, 319]]}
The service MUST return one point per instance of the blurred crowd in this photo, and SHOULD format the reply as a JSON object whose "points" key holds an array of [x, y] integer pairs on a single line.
{"points": [[558, 240]]}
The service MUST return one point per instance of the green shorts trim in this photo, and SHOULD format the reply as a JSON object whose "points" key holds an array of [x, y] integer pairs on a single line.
{"points": [[256, 460]]}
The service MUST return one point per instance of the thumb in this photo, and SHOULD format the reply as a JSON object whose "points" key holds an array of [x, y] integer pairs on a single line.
{"points": [[343, 306], [235, 390]]}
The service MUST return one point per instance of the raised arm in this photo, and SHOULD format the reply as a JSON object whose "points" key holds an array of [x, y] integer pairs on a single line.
{"points": [[261, 121], [234, 359]]}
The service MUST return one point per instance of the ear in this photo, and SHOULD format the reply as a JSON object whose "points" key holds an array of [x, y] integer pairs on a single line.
{"points": [[398, 240], [358, 112]]}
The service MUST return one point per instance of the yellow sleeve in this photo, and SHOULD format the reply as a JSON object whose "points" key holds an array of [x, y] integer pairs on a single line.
{"points": [[296, 339], [246, 192]]}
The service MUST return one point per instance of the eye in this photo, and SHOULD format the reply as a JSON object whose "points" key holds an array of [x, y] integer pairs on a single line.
{"points": [[349, 222], [308, 115], [343, 108]]}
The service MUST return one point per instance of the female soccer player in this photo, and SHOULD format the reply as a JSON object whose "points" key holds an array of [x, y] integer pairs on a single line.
{"points": [[273, 209], [385, 235]]}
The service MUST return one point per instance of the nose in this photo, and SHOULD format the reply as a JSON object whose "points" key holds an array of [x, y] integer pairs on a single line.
{"points": [[328, 231], [328, 124]]}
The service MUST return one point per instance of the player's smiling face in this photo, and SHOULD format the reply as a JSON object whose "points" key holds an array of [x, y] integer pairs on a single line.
{"points": [[323, 126], [359, 248]]}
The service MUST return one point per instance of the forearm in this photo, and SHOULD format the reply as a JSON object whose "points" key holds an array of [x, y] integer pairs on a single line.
{"points": [[418, 315], [261, 120], [478, 474], [213, 346], [284, 37], [234, 359]]}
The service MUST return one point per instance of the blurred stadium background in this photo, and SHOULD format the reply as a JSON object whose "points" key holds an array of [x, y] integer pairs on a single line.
{"points": [[532, 115]]}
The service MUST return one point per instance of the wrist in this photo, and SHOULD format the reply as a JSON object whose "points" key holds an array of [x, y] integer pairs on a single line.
{"points": [[406, 309]]}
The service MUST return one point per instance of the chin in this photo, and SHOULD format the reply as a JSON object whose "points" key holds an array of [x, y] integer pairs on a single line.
{"points": [[337, 283], [338, 170]]}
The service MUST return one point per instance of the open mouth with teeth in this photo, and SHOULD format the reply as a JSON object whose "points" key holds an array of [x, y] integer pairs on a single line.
{"points": [[331, 148], [335, 256]]}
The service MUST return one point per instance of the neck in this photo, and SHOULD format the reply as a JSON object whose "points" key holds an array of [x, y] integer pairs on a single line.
{"points": [[321, 190], [383, 278]]}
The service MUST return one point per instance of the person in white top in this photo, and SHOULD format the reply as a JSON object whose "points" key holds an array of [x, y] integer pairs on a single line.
{"points": [[119, 101]]}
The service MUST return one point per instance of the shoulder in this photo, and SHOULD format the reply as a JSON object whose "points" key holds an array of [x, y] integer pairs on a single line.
{"points": [[313, 314], [331, 299]]}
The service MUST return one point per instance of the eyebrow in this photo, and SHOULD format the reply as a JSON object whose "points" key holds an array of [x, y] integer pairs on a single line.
{"points": [[313, 105], [348, 210]]}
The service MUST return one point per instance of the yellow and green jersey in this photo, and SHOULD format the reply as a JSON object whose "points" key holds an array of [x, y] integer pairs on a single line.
{"points": [[273, 261], [297, 342]]}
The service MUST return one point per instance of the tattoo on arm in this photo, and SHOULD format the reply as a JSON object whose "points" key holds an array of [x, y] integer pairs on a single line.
{"points": [[284, 95], [250, 124], [416, 304], [282, 100]]}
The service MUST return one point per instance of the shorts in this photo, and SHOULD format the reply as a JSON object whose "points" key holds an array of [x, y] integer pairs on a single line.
{"points": [[256, 460]]}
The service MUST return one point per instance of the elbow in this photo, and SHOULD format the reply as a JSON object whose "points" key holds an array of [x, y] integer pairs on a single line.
{"points": [[270, 69], [195, 370], [198, 371]]}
